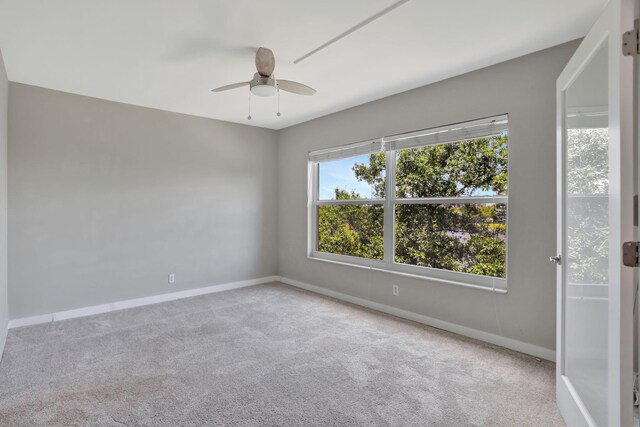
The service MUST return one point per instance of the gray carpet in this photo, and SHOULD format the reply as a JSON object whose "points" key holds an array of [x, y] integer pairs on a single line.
{"points": [[262, 356]]}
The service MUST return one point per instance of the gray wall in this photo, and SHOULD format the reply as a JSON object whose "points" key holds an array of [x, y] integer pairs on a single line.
{"points": [[4, 303], [107, 199], [525, 89]]}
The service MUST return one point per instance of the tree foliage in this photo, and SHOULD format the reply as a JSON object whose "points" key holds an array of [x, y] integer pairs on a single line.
{"points": [[462, 237], [354, 230]]}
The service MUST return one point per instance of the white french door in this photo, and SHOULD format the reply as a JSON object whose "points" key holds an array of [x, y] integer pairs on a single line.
{"points": [[595, 216]]}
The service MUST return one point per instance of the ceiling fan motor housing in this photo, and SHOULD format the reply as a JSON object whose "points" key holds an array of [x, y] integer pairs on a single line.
{"points": [[263, 86]]}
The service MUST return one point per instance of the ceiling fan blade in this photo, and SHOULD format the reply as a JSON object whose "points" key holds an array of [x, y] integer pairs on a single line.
{"points": [[295, 87], [228, 87], [265, 62]]}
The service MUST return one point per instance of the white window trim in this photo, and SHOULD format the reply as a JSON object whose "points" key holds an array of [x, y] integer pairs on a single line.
{"points": [[388, 264]]}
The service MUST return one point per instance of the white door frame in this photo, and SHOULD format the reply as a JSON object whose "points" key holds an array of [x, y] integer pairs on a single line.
{"points": [[616, 18]]}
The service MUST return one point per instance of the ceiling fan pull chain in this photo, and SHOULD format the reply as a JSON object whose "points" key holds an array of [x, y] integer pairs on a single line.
{"points": [[249, 116], [278, 103]]}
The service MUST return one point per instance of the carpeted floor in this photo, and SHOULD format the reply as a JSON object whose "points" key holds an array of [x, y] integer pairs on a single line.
{"points": [[262, 356]]}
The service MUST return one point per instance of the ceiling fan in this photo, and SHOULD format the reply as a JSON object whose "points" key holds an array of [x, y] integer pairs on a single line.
{"points": [[264, 82]]}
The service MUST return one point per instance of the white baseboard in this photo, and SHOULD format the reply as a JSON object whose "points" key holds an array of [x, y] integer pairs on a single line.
{"points": [[137, 302], [523, 347], [33, 320]]}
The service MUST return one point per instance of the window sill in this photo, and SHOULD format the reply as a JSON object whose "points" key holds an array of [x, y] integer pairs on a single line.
{"points": [[411, 275]]}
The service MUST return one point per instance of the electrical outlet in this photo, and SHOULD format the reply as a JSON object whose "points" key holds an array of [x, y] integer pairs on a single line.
{"points": [[396, 290], [172, 278]]}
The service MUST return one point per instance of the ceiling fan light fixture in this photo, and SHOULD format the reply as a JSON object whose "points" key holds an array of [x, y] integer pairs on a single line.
{"points": [[263, 86], [263, 90]]}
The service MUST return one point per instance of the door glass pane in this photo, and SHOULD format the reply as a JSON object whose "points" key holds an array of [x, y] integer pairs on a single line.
{"points": [[586, 235]]}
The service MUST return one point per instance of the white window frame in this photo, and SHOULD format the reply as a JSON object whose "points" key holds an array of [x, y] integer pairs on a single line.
{"points": [[388, 264]]}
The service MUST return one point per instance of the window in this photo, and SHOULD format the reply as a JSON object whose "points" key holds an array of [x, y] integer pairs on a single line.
{"points": [[430, 203]]}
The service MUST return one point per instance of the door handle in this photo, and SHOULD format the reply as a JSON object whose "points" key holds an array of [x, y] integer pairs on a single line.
{"points": [[556, 259]]}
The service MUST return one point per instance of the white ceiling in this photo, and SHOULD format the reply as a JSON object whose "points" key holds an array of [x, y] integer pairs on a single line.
{"points": [[168, 54]]}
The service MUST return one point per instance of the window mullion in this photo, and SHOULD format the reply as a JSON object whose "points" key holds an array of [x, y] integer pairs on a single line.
{"points": [[350, 202], [312, 215], [459, 200], [389, 210]]}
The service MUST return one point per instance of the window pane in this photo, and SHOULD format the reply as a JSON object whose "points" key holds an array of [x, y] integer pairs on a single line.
{"points": [[469, 238], [360, 177], [354, 230], [476, 167]]}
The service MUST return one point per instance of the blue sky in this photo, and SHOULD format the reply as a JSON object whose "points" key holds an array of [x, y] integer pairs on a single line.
{"points": [[339, 173]]}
